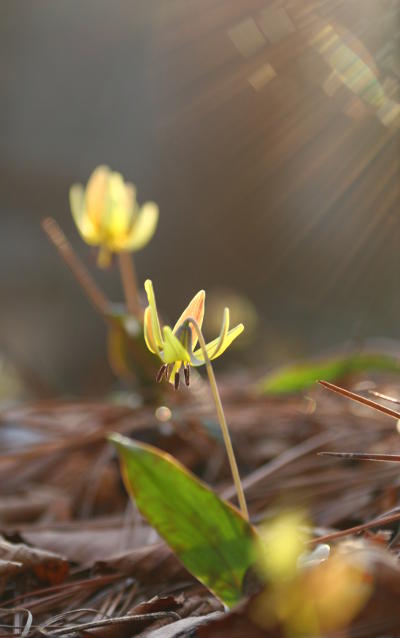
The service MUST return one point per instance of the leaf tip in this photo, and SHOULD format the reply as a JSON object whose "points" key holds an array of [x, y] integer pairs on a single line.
{"points": [[118, 440]]}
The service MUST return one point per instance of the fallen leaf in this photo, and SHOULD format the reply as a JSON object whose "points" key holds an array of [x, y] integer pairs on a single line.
{"points": [[48, 567]]}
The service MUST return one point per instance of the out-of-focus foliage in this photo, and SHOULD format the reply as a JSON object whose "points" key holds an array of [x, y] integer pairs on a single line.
{"points": [[210, 537], [300, 376], [282, 542], [310, 599], [107, 214], [12, 385], [127, 353]]}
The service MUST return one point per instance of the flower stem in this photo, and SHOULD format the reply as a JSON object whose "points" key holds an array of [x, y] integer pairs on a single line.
{"points": [[129, 284], [84, 279], [222, 421]]}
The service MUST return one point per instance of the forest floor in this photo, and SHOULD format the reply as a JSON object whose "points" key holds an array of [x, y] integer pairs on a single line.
{"points": [[76, 558]]}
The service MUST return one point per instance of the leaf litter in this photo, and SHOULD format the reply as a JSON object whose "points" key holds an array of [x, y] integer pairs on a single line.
{"points": [[72, 542]]}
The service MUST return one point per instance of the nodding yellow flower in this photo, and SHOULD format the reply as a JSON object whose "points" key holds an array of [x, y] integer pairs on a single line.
{"points": [[174, 346], [107, 214]]}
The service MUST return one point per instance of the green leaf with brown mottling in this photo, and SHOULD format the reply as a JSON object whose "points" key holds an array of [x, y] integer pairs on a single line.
{"points": [[209, 536]]}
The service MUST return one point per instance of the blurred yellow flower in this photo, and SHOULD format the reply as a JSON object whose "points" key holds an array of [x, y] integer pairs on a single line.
{"points": [[175, 346], [107, 214], [306, 595]]}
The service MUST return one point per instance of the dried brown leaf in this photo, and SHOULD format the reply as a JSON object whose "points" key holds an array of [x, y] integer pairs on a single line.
{"points": [[47, 566]]}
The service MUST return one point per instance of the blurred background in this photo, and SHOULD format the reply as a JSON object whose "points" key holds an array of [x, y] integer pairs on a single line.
{"points": [[267, 132]]}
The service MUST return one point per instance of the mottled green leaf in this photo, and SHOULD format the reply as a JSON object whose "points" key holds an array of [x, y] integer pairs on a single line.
{"points": [[298, 377], [209, 536]]}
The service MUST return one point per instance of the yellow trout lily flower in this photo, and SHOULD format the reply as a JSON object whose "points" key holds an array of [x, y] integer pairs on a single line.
{"points": [[175, 346], [107, 214]]}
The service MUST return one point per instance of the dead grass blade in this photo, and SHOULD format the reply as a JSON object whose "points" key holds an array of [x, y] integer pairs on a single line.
{"points": [[383, 520], [360, 399], [363, 456]]}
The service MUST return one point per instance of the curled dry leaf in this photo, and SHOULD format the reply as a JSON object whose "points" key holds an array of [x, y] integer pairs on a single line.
{"points": [[9, 568], [48, 567]]}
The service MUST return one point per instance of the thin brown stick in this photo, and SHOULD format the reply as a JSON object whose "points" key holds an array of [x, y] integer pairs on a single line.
{"points": [[82, 276], [364, 456], [354, 530], [129, 284], [360, 399]]}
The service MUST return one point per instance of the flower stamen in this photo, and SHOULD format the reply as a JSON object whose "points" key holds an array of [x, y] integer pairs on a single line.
{"points": [[186, 372], [161, 372]]}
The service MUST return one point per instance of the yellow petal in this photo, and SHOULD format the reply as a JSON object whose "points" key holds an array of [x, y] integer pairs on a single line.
{"points": [[143, 228], [85, 227], [222, 335], [213, 352], [211, 347], [174, 351], [149, 338], [96, 195], [157, 338], [195, 310], [119, 210]]}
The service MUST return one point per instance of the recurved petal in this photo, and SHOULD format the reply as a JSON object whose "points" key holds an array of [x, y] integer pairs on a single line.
{"points": [[195, 310], [222, 335], [85, 227], [211, 347], [149, 336], [153, 314], [174, 351], [143, 228]]}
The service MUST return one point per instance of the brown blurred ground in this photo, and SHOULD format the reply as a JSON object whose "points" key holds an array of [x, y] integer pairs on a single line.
{"points": [[220, 110]]}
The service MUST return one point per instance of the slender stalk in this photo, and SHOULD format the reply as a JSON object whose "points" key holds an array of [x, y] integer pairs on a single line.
{"points": [[82, 276], [222, 421], [360, 399], [129, 284]]}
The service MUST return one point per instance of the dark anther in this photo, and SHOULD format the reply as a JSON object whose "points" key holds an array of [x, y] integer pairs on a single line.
{"points": [[160, 373], [186, 371], [176, 380]]}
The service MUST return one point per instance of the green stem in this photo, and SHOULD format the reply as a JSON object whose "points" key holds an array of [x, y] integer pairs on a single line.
{"points": [[222, 420]]}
